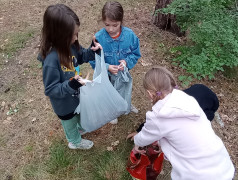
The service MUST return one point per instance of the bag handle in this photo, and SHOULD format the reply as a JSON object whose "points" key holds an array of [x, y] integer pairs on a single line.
{"points": [[100, 66]]}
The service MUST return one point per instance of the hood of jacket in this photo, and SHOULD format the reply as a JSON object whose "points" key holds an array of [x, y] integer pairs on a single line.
{"points": [[177, 105]]}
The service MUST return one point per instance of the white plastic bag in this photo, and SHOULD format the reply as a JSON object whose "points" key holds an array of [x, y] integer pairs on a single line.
{"points": [[99, 100]]}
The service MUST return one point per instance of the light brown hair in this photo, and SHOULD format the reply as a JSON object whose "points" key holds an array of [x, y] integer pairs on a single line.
{"points": [[112, 10], [159, 81]]}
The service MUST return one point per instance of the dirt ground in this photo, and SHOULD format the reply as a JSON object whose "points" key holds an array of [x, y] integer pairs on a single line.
{"points": [[34, 124]]}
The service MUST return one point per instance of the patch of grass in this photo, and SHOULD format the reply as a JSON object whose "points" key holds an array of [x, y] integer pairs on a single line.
{"points": [[28, 148], [12, 43], [15, 41], [33, 171], [112, 165], [60, 159], [60, 164], [96, 163], [30, 171]]}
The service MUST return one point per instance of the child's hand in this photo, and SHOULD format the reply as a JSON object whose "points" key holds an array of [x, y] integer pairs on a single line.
{"points": [[113, 69], [121, 65], [137, 149], [131, 136], [96, 45], [77, 77], [81, 80]]}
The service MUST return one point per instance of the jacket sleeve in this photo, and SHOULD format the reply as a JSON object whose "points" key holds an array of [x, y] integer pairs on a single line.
{"points": [[149, 133], [140, 127], [85, 55], [92, 61], [53, 87], [133, 57]]}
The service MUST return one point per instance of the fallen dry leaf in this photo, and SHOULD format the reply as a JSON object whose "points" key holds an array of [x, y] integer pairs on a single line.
{"points": [[110, 148], [115, 143]]}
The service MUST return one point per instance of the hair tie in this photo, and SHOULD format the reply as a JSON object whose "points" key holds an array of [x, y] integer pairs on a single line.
{"points": [[158, 93], [176, 87]]}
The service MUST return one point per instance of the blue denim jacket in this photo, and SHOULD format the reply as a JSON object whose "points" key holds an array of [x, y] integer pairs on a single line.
{"points": [[126, 47]]}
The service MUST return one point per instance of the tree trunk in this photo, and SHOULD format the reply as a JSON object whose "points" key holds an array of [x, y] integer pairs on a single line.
{"points": [[166, 22]]}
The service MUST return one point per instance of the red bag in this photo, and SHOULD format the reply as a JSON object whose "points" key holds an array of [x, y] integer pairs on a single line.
{"points": [[146, 166]]}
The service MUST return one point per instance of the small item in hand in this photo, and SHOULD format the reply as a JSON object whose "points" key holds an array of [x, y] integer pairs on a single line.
{"points": [[85, 80]]}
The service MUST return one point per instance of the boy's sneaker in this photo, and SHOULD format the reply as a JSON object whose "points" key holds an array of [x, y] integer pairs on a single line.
{"points": [[133, 109], [114, 121], [84, 144]]}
